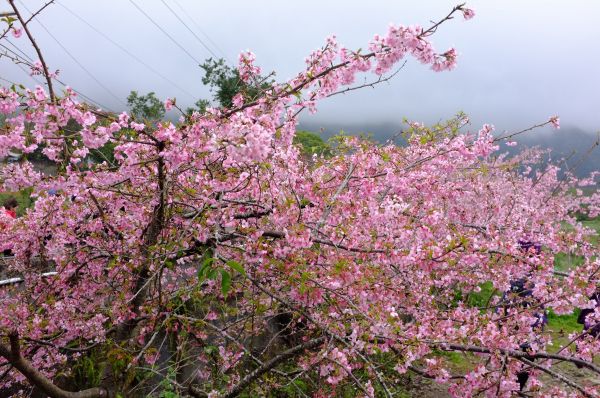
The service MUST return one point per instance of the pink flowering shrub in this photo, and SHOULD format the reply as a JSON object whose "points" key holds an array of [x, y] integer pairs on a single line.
{"points": [[211, 249]]}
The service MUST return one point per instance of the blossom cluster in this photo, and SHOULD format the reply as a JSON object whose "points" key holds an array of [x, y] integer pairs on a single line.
{"points": [[207, 230]]}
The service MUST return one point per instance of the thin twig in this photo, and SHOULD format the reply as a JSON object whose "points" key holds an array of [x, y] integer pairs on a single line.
{"points": [[37, 50], [272, 363], [558, 376]]}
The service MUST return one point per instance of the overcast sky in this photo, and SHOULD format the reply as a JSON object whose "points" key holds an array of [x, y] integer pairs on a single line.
{"points": [[520, 61]]}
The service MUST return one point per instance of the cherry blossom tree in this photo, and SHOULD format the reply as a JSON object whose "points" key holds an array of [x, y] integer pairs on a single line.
{"points": [[209, 258]]}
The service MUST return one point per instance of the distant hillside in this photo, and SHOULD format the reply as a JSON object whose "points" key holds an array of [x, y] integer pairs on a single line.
{"points": [[566, 141], [562, 142]]}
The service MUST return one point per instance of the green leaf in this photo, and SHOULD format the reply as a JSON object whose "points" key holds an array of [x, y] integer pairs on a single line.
{"points": [[205, 267], [225, 282], [236, 266], [208, 261], [212, 274]]}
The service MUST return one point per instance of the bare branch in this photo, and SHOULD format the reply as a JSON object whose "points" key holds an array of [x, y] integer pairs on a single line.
{"points": [[372, 84], [35, 14], [37, 49], [272, 363]]}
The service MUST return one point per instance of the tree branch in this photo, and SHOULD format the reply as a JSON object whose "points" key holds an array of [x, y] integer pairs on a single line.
{"points": [[517, 354], [271, 364], [558, 376], [35, 14], [301, 85], [36, 378], [37, 49]]}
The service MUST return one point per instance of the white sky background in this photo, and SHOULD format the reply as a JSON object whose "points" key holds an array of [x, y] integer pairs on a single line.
{"points": [[520, 61]]}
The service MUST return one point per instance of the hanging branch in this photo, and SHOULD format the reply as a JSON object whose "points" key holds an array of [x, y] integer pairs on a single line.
{"points": [[36, 47]]}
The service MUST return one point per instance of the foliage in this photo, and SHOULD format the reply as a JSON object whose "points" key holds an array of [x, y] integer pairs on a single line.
{"points": [[224, 80], [226, 83], [145, 107], [564, 323], [168, 390], [199, 106], [23, 198], [311, 143], [106, 153], [86, 371]]}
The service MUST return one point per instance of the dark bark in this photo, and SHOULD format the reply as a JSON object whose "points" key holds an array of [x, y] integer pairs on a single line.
{"points": [[13, 355]]}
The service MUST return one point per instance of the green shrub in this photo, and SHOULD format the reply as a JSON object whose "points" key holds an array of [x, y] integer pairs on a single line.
{"points": [[311, 143]]}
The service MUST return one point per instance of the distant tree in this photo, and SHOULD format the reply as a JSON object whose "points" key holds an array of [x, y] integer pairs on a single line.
{"points": [[199, 106], [105, 153], [225, 82], [145, 107], [311, 143]]}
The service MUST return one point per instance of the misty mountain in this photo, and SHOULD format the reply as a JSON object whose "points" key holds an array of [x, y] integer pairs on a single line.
{"points": [[572, 147], [576, 148]]}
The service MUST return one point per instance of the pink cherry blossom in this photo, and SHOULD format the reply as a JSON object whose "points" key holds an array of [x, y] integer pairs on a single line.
{"points": [[215, 242], [169, 102], [16, 32], [468, 13]]}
